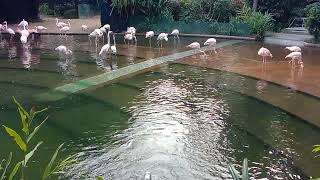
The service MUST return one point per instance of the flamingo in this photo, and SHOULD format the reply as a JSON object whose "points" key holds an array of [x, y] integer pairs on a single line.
{"points": [[84, 27], [211, 42], [195, 46], [295, 56], [63, 50], [175, 34], [293, 48], [9, 30], [264, 52], [129, 37], [133, 31], [61, 24], [105, 49], [23, 23], [161, 37], [107, 27], [113, 48], [40, 28], [149, 35], [97, 33], [66, 29]]}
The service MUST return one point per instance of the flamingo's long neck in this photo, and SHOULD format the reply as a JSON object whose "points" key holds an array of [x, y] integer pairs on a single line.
{"points": [[57, 21], [69, 23], [114, 40], [108, 38]]}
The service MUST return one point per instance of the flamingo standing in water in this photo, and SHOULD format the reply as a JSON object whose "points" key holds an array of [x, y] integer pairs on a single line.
{"points": [[8, 30], [295, 56], [40, 29], [97, 33], [264, 52], [293, 48], [149, 35], [195, 46], [175, 34], [105, 49], [61, 24], [211, 42], [63, 50], [84, 27], [133, 31], [161, 37], [65, 29], [128, 37], [23, 23]]}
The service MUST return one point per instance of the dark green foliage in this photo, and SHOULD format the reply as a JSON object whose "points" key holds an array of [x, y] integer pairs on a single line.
{"points": [[70, 14], [313, 19], [45, 10], [22, 140], [208, 10]]}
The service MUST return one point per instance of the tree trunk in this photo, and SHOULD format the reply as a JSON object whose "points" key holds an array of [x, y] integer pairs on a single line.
{"points": [[255, 5]]}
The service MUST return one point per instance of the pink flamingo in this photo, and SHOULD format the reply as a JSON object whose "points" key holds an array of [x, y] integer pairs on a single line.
{"points": [[264, 52]]}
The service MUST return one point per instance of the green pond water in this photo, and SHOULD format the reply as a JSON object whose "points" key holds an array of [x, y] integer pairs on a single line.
{"points": [[174, 122]]}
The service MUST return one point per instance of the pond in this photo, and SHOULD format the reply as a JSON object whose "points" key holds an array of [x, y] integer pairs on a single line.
{"points": [[176, 121]]}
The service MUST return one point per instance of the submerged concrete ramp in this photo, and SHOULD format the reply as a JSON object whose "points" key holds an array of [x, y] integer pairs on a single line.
{"points": [[99, 80]]}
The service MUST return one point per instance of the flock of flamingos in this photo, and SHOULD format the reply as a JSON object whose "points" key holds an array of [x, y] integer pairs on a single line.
{"points": [[130, 35]]}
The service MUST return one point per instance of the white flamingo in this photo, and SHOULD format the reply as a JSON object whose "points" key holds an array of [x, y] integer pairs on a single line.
{"points": [[295, 56], [195, 46], [8, 30], [175, 34], [23, 23], [61, 24], [211, 42], [264, 52], [84, 27], [40, 28], [107, 27], [149, 35], [66, 29], [133, 31], [161, 37], [128, 37], [97, 34], [63, 50], [105, 49], [293, 48]]}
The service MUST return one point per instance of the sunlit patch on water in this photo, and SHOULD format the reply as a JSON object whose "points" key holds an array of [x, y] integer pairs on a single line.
{"points": [[180, 128]]}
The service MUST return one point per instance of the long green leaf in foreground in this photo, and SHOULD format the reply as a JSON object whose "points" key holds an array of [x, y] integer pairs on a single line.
{"points": [[30, 154], [245, 170], [15, 170], [6, 167], [36, 129], [48, 169], [17, 138]]}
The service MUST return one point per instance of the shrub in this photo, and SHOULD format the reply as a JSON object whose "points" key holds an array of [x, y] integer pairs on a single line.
{"points": [[208, 10], [313, 19], [259, 23], [70, 14], [45, 10]]}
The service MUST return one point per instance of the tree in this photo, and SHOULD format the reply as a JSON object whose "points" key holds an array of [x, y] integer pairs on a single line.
{"points": [[313, 19]]}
